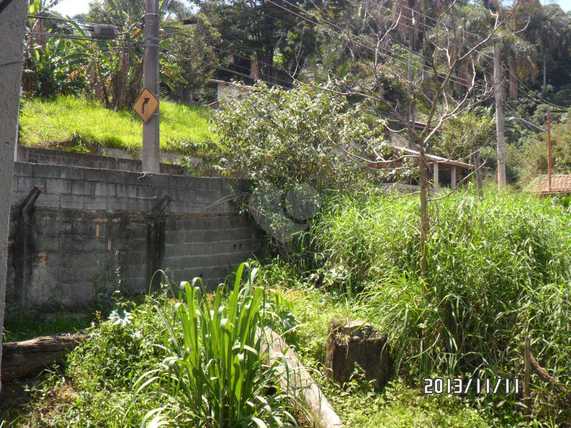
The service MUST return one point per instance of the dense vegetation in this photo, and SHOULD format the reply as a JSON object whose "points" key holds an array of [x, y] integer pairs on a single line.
{"points": [[334, 46], [193, 360], [499, 271], [459, 293], [280, 138]]}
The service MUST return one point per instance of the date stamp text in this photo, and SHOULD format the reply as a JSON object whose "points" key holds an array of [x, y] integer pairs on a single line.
{"points": [[460, 386]]}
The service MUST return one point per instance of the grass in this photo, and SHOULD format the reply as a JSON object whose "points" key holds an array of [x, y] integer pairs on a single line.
{"points": [[25, 327], [399, 405], [85, 124], [499, 271]]}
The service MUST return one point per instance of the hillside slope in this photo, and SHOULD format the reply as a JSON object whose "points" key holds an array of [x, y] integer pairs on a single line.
{"points": [[81, 125]]}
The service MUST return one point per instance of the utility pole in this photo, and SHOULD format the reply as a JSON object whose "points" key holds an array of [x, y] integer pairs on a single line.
{"points": [[12, 28], [549, 151], [500, 118], [151, 129]]}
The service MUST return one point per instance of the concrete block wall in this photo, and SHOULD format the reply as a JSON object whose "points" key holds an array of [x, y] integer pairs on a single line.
{"points": [[114, 161], [91, 231]]}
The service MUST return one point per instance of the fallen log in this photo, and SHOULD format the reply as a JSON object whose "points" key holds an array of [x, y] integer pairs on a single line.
{"points": [[296, 381], [28, 358]]}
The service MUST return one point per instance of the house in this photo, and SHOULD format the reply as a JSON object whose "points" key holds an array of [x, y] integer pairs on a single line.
{"points": [[560, 185], [445, 172]]}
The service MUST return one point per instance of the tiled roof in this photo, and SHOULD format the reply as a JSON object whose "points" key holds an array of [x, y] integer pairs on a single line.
{"points": [[559, 184]]}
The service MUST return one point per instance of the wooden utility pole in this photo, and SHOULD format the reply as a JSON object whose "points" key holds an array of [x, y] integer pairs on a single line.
{"points": [[500, 118], [151, 128], [12, 29], [549, 151]]}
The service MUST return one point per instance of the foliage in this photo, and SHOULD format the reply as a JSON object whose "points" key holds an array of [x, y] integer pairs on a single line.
{"points": [[261, 32], [280, 137], [463, 135], [356, 402], [499, 270], [191, 361], [531, 160], [87, 124], [55, 68], [214, 357], [189, 59]]}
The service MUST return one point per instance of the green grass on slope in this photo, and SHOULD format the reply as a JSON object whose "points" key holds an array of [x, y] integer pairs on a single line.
{"points": [[87, 123]]}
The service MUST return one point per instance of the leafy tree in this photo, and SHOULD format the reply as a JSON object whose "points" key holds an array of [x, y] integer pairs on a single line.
{"points": [[263, 32], [189, 59], [463, 135], [282, 138]]}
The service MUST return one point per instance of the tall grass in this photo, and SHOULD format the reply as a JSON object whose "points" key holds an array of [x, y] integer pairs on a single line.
{"points": [[499, 270], [214, 362], [87, 123]]}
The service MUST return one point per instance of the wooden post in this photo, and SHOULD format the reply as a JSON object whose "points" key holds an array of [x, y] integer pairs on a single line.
{"points": [[435, 175], [453, 179], [500, 118], [478, 166], [549, 152], [527, 376], [12, 28]]}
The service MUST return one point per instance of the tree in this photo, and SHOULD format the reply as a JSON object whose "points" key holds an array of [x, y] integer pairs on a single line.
{"points": [[304, 136], [262, 32], [189, 59]]}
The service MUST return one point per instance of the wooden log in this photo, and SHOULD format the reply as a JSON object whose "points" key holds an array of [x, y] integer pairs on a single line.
{"points": [[296, 380], [28, 358]]}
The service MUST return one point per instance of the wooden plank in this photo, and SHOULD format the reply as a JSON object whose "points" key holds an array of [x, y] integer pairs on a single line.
{"points": [[30, 357], [296, 380]]}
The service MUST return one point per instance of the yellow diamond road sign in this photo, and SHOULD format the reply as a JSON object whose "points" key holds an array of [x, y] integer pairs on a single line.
{"points": [[146, 105]]}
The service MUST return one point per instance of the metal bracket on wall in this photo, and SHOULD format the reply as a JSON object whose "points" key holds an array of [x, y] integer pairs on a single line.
{"points": [[161, 206], [24, 247], [156, 240]]}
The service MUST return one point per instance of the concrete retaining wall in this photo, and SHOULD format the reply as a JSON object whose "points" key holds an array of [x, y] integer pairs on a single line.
{"points": [[79, 233], [118, 159]]}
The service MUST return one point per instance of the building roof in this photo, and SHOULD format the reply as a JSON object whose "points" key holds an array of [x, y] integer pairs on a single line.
{"points": [[560, 184], [434, 158]]}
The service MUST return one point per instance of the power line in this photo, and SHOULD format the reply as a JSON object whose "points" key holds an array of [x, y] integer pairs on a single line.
{"points": [[365, 46]]}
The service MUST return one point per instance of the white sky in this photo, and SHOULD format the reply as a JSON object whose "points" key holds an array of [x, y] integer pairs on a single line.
{"points": [[75, 7]]}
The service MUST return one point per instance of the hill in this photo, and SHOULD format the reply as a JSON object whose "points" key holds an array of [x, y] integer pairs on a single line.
{"points": [[79, 124]]}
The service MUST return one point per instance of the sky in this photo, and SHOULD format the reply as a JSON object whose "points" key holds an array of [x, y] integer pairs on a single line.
{"points": [[75, 7]]}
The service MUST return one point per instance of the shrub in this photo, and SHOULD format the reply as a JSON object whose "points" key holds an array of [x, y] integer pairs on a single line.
{"points": [[190, 362], [214, 363], [283, 137]]}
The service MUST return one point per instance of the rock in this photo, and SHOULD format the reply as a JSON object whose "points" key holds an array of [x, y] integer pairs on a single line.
{"points": [[357, 343]]}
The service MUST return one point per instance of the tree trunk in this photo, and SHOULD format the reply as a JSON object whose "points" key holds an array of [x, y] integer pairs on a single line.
{"points": [[424, 217], [121, 81], [500, 119], [544, 87], [512, 77]]}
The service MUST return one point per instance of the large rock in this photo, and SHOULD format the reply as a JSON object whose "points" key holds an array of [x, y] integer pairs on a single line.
{"points": [[357, 343]]}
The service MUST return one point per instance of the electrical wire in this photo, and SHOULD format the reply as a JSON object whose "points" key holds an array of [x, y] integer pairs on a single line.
{"points": [[365, 46]]}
